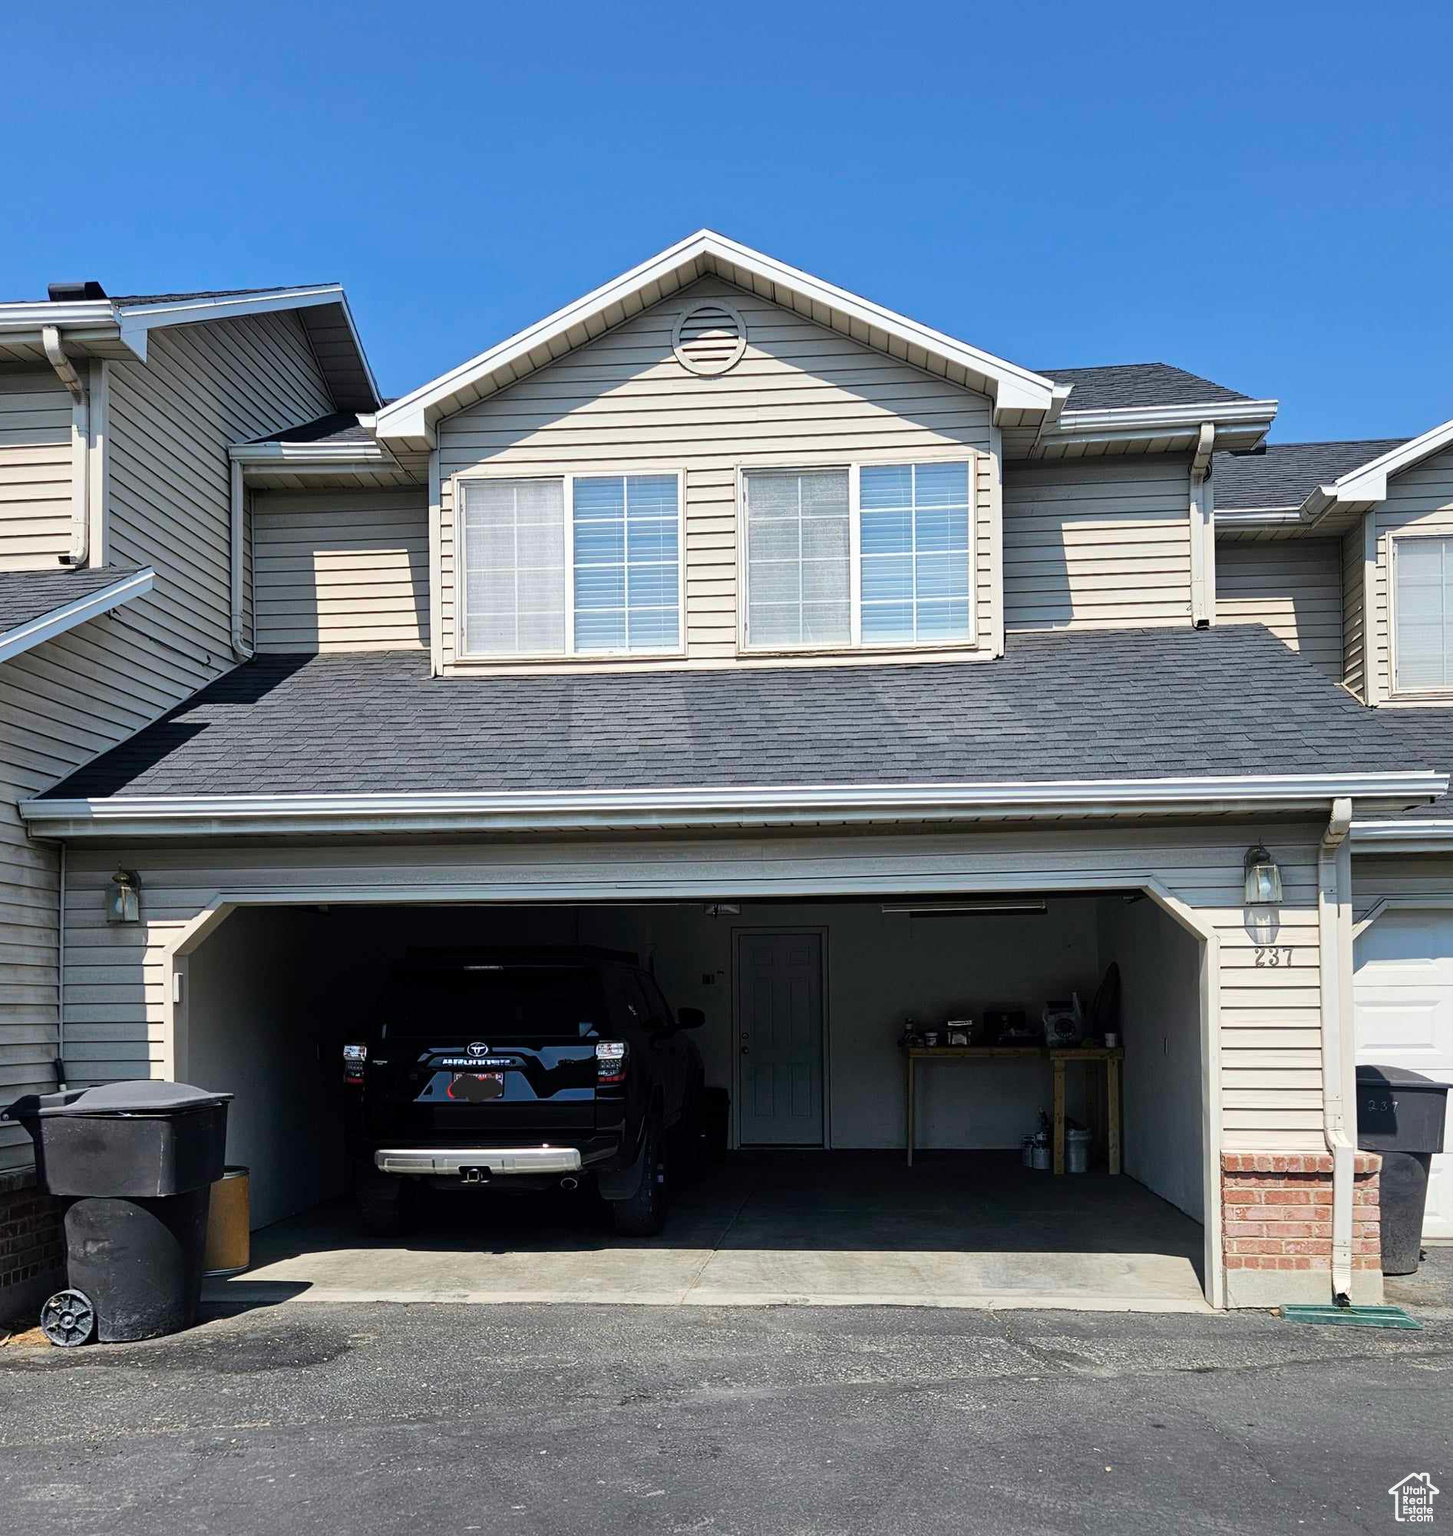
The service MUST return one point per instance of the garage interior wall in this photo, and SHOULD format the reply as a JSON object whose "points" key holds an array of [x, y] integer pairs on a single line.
{"points": [[274, 992]]}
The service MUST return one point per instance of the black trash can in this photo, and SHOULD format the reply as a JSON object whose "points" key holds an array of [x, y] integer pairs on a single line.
{"points": [[1401, 1113], [138, 1161]]}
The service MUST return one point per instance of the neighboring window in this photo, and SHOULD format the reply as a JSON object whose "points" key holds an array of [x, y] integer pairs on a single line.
{"points": [[1423, 613], [574, 565], [905, 526]]}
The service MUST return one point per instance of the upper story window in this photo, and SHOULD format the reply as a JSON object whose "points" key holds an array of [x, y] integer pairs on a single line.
{"points": [[571, 565], [1422, 613], [865, 555]]}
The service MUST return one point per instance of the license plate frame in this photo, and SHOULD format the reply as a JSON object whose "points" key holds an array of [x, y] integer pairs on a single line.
{"points": [[480, 1087]]}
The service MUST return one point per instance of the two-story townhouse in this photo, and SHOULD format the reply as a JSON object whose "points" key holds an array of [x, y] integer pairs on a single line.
{"points": [[848, 672]]}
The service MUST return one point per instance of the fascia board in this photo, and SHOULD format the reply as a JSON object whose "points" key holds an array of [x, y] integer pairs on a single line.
{"points": [[1409, 836], [48, 625], [791, 805]]}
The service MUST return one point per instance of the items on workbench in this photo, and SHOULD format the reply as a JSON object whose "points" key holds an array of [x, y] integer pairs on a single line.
{"points": [[1064, 1023]]}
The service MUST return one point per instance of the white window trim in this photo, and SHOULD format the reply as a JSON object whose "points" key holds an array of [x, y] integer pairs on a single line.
{"points": [[1397, 693], [568, 478], [856, 645]]}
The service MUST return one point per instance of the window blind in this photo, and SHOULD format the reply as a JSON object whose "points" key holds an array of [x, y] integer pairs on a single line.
{"points": [[914, 539], [514, 566], [627, 563], [1424, 613], [799, 579]]}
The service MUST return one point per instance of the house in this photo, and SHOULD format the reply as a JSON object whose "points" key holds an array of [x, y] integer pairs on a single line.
{"points": [[734, 619]]}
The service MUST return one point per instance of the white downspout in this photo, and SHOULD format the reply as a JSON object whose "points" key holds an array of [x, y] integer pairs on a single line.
{"points": [[240, 648], [1202, 581], [80, 550], [1339, 1080]]}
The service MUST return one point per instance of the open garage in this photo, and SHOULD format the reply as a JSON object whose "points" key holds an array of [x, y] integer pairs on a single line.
{"points": [[807, 1004]]}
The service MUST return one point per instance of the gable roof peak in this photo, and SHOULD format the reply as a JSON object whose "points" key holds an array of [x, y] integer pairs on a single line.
{"points": [[1021, 397]]}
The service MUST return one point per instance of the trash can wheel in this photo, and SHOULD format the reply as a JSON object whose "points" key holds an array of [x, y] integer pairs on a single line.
{"points": [[68, 1318]]}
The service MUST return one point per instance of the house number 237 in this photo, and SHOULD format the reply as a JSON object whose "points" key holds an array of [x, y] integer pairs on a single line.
{"points": [[1273, 955]]}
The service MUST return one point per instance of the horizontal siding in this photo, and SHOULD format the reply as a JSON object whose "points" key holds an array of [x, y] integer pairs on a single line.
{"points": [[35, 471], [1354, 611], [1293, 587], [171, 422], [1419, 498], [202, 389], [341, 571], [801, 394], [117, 979], [1100, 544]]}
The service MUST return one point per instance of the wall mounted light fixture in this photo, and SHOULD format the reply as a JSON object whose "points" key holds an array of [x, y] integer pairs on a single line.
{"points": [[123, 897], [1263, 878]]}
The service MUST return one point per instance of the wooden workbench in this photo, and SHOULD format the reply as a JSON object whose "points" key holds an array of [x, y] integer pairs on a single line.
{"points": [[1112, 1056]]}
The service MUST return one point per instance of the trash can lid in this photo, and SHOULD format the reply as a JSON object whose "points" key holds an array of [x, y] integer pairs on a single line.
{"points": [[1396, 1077], [143, 1097]]}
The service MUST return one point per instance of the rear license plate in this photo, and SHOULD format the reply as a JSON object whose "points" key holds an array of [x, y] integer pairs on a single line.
{"points": [[477, 1087]]}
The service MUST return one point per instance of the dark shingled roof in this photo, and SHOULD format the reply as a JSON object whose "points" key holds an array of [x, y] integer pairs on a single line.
{"points": [[211, 293], [27, 595], [1068, 705], [339, 427], [1284, 474], [1118, 386], [1426, 734]]}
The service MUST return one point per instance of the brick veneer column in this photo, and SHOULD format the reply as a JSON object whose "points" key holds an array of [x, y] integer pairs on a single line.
{"points": [[32, 1247], [1276, 1232]]}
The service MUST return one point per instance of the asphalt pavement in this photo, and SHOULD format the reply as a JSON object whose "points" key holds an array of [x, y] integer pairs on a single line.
{"points": [[552, 1420]]}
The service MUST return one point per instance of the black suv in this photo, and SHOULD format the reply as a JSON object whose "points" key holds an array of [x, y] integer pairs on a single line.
{"points": [[522, 1069]]}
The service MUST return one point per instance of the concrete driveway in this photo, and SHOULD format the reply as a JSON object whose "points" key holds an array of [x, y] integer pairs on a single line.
{"points": [[836, 1229]]}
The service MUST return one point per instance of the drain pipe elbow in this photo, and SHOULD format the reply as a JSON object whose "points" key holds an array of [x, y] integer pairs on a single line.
{"points": [[65, 370], [240, 648], [1334, 869]]}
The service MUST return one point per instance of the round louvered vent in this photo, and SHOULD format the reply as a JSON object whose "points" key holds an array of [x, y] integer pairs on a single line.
{"points": [[710, 338]]}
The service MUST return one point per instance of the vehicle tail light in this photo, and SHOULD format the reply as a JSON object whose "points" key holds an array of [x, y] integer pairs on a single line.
{"points": [[355, 1059], [610, 1061]]}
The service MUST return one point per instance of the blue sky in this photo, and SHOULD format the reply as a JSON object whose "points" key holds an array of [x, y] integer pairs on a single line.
{"points": [[1260, 193]]}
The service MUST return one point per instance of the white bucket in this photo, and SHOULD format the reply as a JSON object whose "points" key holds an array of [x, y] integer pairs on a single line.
{"points": [[1077, 1151]]}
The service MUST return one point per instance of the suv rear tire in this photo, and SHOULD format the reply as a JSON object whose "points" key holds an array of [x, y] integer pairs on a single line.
{"points": [[643, 1214]]}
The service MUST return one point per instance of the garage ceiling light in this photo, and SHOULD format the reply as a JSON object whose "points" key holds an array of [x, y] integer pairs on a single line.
{"points": [[985, 905]]}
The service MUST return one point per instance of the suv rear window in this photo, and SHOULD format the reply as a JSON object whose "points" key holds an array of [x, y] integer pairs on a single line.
{"points": [[561, 1002]]}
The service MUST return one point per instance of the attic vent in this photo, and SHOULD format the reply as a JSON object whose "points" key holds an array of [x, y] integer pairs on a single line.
{"points": [[710, 338]]}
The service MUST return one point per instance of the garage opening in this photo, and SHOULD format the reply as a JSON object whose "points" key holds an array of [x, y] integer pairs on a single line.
{"points": [[806, 1006]]}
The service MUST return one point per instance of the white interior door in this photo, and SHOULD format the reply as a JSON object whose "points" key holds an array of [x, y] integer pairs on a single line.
{"points": [[1403, 994], [779, 1039]]}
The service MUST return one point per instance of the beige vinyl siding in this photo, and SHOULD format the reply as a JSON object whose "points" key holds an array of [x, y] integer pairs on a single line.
{"points": [[341, 570], [118, 982], [202, 389], [35, 471], [1097, 543], [68, 700], [801, 395], [1292, 586], [1354, 611], [60, 704], [1419, 498]]}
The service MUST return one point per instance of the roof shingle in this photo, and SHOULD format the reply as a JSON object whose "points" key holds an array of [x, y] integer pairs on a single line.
{"points": [[1120, 386], [29, 595], [1065, 705], [1284, 474]]}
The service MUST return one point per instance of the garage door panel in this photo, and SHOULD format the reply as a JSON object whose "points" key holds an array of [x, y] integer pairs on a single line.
{"points": [[1403, 998]]}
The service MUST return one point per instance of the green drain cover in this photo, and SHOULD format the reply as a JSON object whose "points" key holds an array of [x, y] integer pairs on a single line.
{"points": [[1352, 1317]]}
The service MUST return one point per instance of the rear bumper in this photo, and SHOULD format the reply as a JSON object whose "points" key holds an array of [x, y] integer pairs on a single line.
{"points": [[435, 1161]]}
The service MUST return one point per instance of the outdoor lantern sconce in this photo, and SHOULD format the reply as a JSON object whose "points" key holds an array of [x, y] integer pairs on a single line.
{"points": [[123, 897], [1263, 878]]}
